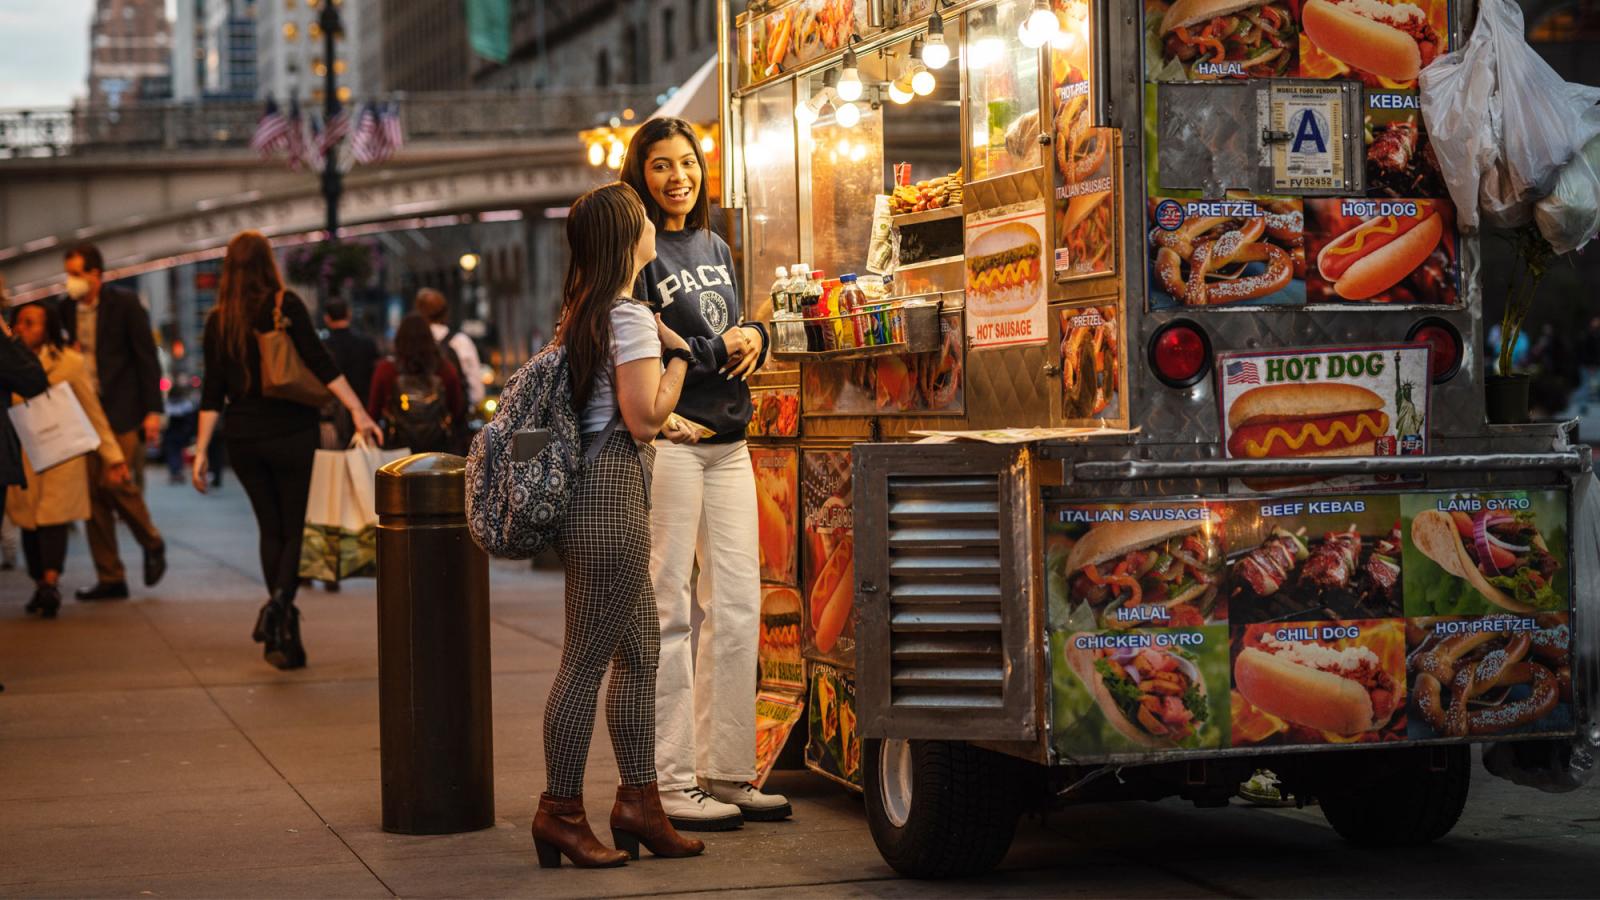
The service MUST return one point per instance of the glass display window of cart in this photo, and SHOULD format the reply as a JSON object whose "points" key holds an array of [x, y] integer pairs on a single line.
{"points": [[1002, 92], [771, 199]]}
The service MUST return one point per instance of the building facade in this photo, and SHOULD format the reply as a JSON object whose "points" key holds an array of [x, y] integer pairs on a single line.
{"points": [[424, 45], [289, 50], [589, 43], [130, 52]]}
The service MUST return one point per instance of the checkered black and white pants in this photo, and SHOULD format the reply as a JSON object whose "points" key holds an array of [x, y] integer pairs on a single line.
{"points": [[611, 618]]}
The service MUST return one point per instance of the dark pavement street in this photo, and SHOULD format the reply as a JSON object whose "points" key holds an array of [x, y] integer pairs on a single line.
{"points": [[147, 751]]}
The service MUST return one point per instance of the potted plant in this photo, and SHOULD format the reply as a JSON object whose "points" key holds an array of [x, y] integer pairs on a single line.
{"points": [[1505, 389], [333, 266]]}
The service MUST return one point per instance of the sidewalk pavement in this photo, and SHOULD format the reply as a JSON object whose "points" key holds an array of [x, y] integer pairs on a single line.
{"points": [[147, 750]]}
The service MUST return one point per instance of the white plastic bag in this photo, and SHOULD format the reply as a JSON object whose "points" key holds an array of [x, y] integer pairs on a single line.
{"points": [[1501, 121], [1570, 216]]}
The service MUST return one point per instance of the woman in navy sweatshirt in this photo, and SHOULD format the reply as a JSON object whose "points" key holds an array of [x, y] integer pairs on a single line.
{"points": [[703, 502]]}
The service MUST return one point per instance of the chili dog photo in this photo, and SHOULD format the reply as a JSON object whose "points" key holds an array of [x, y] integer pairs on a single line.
{"points": [[1381, 251], [829, 554], [1383, 43], [1226, 252], [1315, 558], [1208, 39], [1494, 675], [1124, 567], [1319, 682], [1489, 553]]}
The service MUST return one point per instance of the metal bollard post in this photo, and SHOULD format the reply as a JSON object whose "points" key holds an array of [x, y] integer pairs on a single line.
{"points": [[436, 736]]}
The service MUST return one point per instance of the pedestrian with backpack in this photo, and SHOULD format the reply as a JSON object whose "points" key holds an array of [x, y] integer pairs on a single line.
{"points": [[589, 405], [416, 394], [706, 502]]}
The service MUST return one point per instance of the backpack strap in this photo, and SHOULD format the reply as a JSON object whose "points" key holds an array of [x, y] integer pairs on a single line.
{"points": [[593, 453]]}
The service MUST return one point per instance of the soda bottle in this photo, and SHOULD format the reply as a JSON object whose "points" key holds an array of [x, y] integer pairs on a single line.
{"points": [[851, 299]]}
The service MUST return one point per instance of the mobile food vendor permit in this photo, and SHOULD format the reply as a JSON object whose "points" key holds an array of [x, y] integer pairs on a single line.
{"points": [[1324, 401]]}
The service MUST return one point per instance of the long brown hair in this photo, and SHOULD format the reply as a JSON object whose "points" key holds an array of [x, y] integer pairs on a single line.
{"points": [[250, 280], [415, 350], [603, 227], [649, 134]]}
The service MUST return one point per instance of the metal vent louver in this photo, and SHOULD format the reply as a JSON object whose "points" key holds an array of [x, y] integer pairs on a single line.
{"points": [[946, 651]]}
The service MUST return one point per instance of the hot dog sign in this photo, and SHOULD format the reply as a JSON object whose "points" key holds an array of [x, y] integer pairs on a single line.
{"points": [[1331, 401]]}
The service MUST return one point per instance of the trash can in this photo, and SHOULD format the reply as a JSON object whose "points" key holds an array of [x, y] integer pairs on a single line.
{"points": [[435, 721]]}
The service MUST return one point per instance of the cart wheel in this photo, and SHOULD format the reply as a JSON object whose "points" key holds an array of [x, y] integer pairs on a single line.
{"points": [[940, 809], [1406, 801]]}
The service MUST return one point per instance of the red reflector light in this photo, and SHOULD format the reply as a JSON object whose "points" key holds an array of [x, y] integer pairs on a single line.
{"points": [[1180, 354], [1445, 342]]}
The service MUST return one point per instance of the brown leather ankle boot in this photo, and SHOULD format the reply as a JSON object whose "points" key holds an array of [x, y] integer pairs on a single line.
{"points": [[560, 827], [638, 818]]}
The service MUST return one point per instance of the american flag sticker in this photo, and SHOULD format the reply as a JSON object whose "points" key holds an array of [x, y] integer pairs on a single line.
{"points": [[1243, 373]]}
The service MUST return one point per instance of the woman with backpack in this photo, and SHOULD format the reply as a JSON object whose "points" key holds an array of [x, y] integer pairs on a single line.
{"points": [[626, 369], [705, 501], [271, 443], [417, 394]]}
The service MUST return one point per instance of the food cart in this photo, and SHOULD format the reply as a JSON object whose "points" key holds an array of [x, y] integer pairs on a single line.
{"points": [[1154, 452]]}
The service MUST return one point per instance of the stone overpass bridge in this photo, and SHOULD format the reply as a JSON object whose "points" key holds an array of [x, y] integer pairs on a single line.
{"points": [[159, 182]]}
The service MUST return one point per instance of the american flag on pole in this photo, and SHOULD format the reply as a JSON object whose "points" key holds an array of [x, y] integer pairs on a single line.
{"points": [[272, 131], [1243, 373], [393, 135], [295, 143], [333, 131], [364, 143]]}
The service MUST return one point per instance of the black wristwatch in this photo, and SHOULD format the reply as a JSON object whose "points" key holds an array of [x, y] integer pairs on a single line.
{"points": [[678, 353]]}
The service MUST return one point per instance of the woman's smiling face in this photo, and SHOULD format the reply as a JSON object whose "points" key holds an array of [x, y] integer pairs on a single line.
{"points": [[672, 172]]}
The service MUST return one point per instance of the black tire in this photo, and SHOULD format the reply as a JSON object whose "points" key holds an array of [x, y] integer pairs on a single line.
{"points": [[963, 814], [1403, 801]]}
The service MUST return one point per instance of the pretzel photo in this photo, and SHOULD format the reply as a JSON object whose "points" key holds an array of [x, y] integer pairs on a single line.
{"points": [[1489, 682], [1080, 148], [1205, 260]]}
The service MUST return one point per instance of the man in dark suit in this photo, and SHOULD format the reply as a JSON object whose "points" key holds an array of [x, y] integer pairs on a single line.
{"points": [[111, 328]]}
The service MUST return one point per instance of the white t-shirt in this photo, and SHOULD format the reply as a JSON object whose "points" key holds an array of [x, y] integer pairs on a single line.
{"points": [[633, 337], [471, 366]]}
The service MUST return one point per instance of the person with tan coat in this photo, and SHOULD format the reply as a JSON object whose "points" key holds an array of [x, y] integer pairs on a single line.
{"points": [[50, 501]]}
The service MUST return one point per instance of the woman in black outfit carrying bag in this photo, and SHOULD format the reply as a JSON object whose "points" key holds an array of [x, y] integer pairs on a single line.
{"points": [[271, 443], [626, 369]]}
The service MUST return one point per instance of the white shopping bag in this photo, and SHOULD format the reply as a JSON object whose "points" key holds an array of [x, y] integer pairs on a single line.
{"points": [[340, 539], [53, 427]]}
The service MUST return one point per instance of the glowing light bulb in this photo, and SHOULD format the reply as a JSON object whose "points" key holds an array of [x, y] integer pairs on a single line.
{"points": [[986, 52], [847, 115], [923, 83], [597, 155], [708, 144], [849, 86], [1041, 25], [900, 90], [805, 113], [936, 53]]}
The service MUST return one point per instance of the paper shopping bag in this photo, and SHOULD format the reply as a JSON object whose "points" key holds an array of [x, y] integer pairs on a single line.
{"points": [[340, 539], [53, 427]]}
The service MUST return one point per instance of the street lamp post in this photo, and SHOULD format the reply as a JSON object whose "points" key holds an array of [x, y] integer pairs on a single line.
{"points": [[332, 179]]}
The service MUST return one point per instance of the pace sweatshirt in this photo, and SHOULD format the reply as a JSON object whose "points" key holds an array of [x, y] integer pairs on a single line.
{"points": [[691, 283]]}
